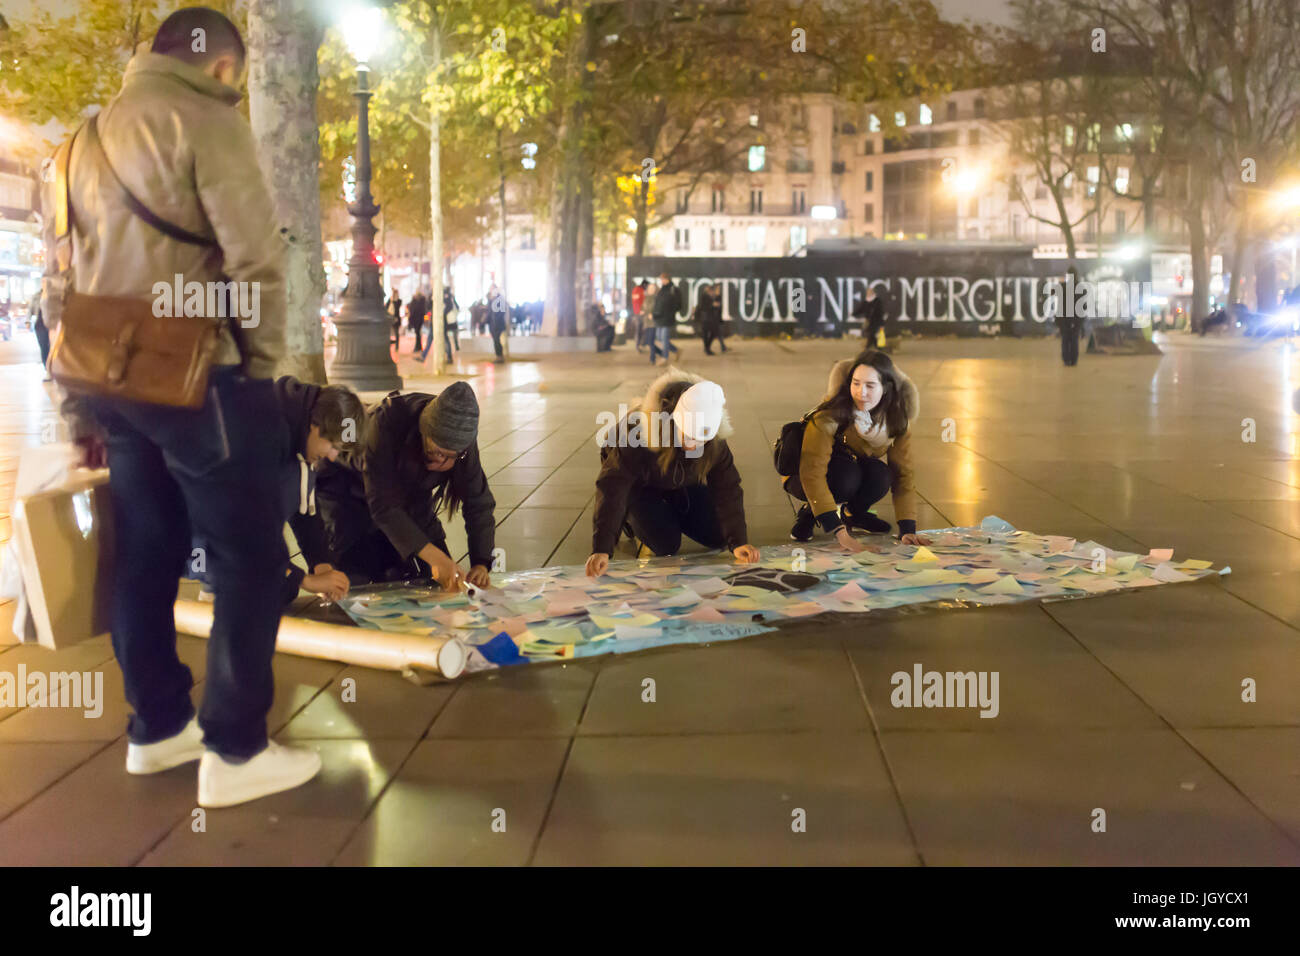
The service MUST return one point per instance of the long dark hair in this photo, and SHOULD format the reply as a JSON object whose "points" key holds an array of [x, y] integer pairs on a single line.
{"points": [[890, 409], [673, 455]]}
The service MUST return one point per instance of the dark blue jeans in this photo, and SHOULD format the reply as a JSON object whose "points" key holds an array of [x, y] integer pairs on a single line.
{"points": [[210, 474]]}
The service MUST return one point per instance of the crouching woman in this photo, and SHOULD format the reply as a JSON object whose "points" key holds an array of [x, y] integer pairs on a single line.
{"points": [[666, 471], [856, 448]]}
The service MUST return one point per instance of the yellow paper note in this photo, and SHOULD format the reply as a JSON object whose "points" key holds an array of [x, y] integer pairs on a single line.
{"points": [[1129, 561], [924, 554], [606, 623], [1194, 564], [567, 634]]}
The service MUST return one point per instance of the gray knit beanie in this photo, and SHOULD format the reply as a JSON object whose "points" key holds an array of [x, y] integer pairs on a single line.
{"points": [[451, 419]]}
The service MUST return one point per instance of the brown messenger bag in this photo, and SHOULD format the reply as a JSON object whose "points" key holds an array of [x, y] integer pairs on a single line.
{"points": [[114, 346]]}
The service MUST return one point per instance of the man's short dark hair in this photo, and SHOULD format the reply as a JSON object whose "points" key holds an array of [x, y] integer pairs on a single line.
{"points": [[209, 30], [335, 407]]}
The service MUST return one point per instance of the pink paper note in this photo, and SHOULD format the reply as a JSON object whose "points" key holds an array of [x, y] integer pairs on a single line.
{"points": [[849, 593], [706, 613]]}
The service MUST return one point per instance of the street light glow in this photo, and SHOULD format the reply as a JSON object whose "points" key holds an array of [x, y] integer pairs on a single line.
{"points": [[362, 27]]}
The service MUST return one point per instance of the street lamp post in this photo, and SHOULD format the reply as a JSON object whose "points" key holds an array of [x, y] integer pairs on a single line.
{"points": [[362, 359]]}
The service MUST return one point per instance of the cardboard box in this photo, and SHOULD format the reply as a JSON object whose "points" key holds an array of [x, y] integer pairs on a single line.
{"points": [[65, 537]]}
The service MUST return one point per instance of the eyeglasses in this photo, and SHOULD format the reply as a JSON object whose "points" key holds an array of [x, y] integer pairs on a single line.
{"points": [[439, 456]]}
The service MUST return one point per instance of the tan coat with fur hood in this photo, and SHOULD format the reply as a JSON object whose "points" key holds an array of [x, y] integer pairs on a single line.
{"points": [[820, 439], [630, 458]]}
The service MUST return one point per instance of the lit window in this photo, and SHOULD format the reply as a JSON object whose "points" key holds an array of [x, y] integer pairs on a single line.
{"points": [[926, 117], [753, 119], [756, 238], [873, 123], [757, 158], [1121, 179], [900, 118], [798, 237], [1094, 174], [1124, 131]]}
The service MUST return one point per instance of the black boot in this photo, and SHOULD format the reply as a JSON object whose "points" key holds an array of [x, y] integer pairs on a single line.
{"points": [[868, 522], [804, 523]]}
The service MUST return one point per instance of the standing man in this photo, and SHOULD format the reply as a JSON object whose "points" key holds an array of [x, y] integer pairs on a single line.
{"points": [[394, 307], [708, 316], [497, 319], [873, 314], [416, 312], [187, 157], [1069, 324], [42, 332], [668, 302]]}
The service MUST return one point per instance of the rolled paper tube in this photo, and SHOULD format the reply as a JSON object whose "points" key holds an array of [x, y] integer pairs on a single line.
{"points": [[384, 650]]}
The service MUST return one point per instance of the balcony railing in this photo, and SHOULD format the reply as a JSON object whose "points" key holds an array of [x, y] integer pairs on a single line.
{"points": [[799, 166]]}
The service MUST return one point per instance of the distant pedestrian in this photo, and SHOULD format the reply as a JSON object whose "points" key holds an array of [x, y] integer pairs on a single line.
{"points": [[636, 319], [394, 308], [708, 317], [668, 302], [416, 313], [498, 312], [871, 309], [42, 332], [601, 327], [1069, 324]]}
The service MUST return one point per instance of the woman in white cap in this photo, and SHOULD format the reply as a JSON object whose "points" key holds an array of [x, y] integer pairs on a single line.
{"points": [[856, 449], [666, 471]]}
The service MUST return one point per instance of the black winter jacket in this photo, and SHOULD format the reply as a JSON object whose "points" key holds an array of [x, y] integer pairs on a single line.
{"points": [[387, 485], [668, 302]]}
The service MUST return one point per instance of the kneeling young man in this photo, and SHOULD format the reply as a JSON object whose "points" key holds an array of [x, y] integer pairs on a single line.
{"points": [[380, 506]]}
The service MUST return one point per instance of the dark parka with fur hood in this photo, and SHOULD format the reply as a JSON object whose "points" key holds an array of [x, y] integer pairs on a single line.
{"points": [[630, 452]]}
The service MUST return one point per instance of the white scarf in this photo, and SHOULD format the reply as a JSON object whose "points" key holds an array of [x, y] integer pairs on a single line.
{"points": [[875, 434]]}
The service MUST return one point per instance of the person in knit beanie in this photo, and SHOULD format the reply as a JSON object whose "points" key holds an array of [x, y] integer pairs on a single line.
{"points": [[420, 459], [450, 421]]}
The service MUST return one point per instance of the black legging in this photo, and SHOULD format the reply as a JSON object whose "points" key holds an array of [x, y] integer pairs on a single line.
{"points": [[659, 517], [857, 482]]}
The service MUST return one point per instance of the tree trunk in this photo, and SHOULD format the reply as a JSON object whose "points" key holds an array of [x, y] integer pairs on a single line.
{"points": [[437, 321], [586, 249], [642, 213], [501, 170], [283, 37], [1200, 252], [1240, 244]]}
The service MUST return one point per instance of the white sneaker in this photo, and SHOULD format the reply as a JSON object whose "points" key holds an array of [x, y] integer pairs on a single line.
{"points": [[276, 768], [165, 754]]}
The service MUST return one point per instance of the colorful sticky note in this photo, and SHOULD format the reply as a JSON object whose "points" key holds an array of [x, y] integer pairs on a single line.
{"points": [[924, 554], [1161, 554], [706, 613], [1004, 585]]}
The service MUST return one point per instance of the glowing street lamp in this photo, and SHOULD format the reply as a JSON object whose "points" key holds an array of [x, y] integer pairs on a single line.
{"points": [[964, 181], [362, 359]]}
